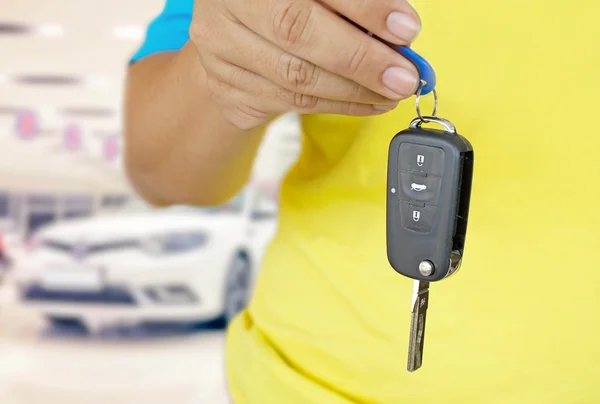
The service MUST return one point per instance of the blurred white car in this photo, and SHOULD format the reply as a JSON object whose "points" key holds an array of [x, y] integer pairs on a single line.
{"points": [[148, 265], [9, 241]]}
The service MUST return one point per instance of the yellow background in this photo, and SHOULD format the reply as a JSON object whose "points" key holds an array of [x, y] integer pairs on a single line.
{"points": [[519, 322]]}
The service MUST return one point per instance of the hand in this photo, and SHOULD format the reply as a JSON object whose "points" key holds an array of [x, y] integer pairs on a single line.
{"points": [[268, 57]]}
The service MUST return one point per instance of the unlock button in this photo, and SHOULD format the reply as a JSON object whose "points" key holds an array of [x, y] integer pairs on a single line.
{"points": [[419, 187]]}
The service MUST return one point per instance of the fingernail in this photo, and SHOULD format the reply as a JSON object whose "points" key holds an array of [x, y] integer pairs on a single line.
{"points": [[403, 26], [385, 107], [402, 82]]}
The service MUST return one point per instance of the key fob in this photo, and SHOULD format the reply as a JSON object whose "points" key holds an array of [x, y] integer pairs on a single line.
{"points": [[428, 195]]}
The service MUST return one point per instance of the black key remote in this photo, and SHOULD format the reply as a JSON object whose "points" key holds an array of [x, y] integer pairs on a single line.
{"points": [[429, 188]]}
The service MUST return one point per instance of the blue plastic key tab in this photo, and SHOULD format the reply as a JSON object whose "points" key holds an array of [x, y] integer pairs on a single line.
{"points": [[426, 72]]}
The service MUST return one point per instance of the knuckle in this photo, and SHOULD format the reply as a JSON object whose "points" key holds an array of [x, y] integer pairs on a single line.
{"points": [[282, 96], [297, 73], [303, 101], [243, 118], [291, 23], [355, 63], [355, 91], [248, 113], [346, 108], [297, 100]]}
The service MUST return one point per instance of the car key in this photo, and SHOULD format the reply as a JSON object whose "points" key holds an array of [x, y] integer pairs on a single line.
{"points": [[429, 185], [428, 197]]}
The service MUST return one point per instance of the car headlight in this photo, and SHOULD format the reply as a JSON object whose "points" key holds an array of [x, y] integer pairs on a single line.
{"points": [[174, 243]]}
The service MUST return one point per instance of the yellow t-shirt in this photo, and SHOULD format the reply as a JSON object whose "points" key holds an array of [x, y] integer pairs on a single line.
{"points": [[519, 323]]}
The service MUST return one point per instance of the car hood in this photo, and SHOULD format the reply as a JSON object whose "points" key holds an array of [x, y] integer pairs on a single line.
{"points": [[137, 226]]}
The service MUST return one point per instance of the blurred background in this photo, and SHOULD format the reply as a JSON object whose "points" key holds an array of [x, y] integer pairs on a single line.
{"points": [[104, 299]]}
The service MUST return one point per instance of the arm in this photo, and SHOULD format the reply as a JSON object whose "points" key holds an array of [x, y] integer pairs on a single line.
{"points": [[179, 148]]}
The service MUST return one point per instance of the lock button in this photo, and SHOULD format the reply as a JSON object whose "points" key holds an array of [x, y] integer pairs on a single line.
{"points": [[428, 159]]}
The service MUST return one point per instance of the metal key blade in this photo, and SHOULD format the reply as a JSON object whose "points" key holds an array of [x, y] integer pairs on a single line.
{"points": [[420, 301]]}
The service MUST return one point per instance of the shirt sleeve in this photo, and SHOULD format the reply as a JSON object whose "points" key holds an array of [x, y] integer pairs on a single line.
{"points": [[168, 31]]}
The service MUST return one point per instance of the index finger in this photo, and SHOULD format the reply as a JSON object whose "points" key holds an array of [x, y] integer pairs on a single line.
{"points": [[310, 31], [395, 21]]}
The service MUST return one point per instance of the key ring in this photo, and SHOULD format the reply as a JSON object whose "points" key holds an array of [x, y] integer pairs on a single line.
{"points": [[418, 97], [428, 83], [448, 126]]}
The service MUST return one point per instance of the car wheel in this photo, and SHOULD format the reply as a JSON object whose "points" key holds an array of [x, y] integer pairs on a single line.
{"points": [[237, 287]]}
